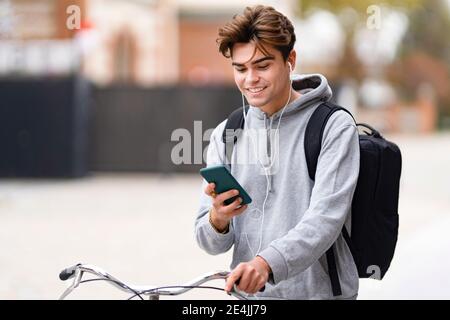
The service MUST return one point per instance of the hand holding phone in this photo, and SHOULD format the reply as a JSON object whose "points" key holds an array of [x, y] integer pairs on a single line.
{"points": [[224, 181]]}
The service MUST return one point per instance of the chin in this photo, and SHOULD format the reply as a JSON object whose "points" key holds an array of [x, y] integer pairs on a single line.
{"points": [[256, 102], [259, 105]]}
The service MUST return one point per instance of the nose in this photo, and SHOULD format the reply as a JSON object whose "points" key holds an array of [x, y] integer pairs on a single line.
{"points": [[252, 76]]}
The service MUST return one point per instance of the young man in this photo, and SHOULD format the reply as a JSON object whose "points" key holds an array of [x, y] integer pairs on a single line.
{"points": [[280, 239]]}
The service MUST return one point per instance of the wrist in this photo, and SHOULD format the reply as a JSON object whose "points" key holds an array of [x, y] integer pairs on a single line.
{"points": [[217, 224], [264, 264]]}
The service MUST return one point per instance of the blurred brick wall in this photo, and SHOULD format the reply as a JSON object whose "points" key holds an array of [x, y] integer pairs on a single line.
{"points": [[200, 61]]}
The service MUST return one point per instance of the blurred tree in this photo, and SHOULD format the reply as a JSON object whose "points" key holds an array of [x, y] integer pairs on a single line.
{"points": [[353, 14], [423, 56], [360, 6], [425, 53], [428, 31]]}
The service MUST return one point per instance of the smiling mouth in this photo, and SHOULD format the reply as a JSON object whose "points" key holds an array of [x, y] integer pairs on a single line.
{"points": [[256, 90]]}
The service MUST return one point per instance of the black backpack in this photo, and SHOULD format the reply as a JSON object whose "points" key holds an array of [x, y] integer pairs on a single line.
{"points": [[375, 202]]}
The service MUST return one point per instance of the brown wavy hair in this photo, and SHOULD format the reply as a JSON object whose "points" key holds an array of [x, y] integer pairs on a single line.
{"points": [[261, 25]]}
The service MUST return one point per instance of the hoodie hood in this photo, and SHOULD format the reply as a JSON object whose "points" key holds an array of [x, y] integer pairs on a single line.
{"points": [[313, 88]]}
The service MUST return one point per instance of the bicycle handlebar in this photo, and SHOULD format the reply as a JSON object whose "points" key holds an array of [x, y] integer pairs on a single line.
{"points": [[153, 292], [68, 272]]}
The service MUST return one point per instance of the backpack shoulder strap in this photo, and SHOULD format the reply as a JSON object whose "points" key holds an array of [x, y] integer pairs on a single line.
{"points": [[313, 144], [314, 133], [235, 122]]}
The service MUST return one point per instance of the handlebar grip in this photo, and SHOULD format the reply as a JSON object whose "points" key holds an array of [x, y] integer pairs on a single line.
{"points": [[68, 272]]}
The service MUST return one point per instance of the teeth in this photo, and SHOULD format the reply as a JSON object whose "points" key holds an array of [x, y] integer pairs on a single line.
{"points": [[255, 90]]}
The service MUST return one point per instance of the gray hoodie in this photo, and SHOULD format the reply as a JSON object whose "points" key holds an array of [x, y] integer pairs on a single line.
{"points": [[301, 218]]}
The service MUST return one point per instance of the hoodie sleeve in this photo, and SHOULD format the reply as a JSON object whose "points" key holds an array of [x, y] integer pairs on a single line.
{"points": [[207, 238], [330, 203]]}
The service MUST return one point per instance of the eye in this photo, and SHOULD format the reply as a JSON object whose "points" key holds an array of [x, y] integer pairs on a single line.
{"points": [[263, 67], [240, 69]]}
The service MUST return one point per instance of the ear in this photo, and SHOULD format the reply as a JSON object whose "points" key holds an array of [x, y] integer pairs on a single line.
{"points": [[292, 58]]}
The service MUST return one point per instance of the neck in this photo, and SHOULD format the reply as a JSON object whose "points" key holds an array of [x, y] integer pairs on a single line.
{"points": [[270, 110]]}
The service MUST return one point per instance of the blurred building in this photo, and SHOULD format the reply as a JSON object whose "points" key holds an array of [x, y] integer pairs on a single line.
{"points": [[144, 42], [31, 41], [151, 43], [148, 61]]}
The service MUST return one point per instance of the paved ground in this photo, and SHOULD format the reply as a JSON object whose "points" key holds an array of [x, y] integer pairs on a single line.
{"points": [[139, 227]]}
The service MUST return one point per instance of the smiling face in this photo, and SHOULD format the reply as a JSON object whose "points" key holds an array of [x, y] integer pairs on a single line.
{"points": [[263, 79]]}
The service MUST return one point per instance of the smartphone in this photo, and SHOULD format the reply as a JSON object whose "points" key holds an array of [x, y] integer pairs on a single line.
{"points": [[224, 181]]}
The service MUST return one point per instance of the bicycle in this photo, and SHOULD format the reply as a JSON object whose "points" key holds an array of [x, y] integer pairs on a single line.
{"points": [[153, 292]]}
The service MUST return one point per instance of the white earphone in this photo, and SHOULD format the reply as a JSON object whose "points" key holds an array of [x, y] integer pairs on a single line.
{"points": [[272, 161]]}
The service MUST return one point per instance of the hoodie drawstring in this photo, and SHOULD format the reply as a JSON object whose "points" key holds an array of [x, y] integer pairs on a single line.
{"points": [[269, 146]]}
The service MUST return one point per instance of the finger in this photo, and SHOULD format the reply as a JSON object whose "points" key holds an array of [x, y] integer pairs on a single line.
{"points": [[234, 205], [232, 213], [233, 277], [210, 188], [231, 280], [251, 285], [261, 287], [226, 195], [239, 210], [245, 281], [255, 286]]}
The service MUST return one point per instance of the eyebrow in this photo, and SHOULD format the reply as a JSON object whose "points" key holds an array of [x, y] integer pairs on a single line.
{"points": [[254, 62]]}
